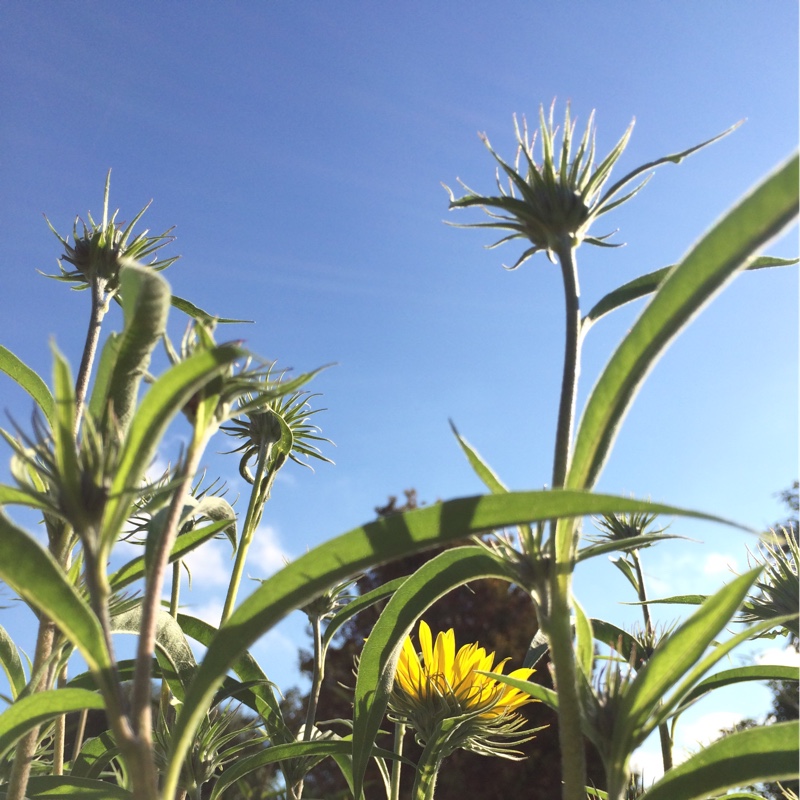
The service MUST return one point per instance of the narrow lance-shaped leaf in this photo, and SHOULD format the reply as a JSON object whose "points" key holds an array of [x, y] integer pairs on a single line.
{"points": [[35, 709], [381, 541], [647, 284], [672, 660], [757, 755], [11, 664], [27, 379], [145, 302], [708, 266], [165, 399], [36, 577]]}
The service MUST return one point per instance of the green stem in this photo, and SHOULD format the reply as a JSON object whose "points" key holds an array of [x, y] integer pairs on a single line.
{"points": [[394, 786], [663, 728], [570, 735], [99, 309], [562, 547], [258, 496], [141, 710], [569, 377], [26, 747], [316, 681], [428, 769]]}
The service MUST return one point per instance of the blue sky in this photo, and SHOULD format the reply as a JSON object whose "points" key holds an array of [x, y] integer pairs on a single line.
{"points": [[300, 147]]}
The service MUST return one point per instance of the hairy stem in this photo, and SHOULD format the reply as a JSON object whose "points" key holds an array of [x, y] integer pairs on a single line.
{"points": [[563, 538], [26, 747], [99, 309], [141, 710], [569, 378], [399, 735], [570, 735], [316, 680]]}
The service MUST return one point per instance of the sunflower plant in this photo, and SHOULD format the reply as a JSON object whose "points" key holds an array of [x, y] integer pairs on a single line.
{"points": [[175, 728]]}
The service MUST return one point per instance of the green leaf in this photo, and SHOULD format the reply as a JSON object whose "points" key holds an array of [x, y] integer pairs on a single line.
{"points": [[548, 696], [54, 787], [677, 702], [247, 669], [36, 577], [709, 265], [36, 709], [378, 660], [384, 540], [357, 605], [95, 755], [102, 376], [602, 548], [671, 661], [619, 640], [184, 545], [11, 663], [191, 310], [482, 469], [584, 641], [679, 599], [28, 380], [145, 303], [174, 655], [284, 752], [758, 755], [166, 397], [754, 672], [647, 284]]}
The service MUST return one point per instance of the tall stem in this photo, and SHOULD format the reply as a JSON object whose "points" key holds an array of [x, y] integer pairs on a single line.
{"points": [[141, 711], [26, 747], [569, 377], [258, 497], [562, 544], [663, 728]]}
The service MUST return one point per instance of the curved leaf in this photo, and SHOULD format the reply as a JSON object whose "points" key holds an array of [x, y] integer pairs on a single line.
{"points": [[145, 299], [768, 753], [708, 266], [357, 605], [165, 398], [11, 663], [174, 655], [377, 542], [753, 672], [191, 310], [184, 545], [53, 787], [671, 661], [36, 709], [536, 690], [247, 669], [36, 577], [647, 284], [283, 752], [482, 469], [28, 380], [95, 755], [601, 548], [378, 660]]}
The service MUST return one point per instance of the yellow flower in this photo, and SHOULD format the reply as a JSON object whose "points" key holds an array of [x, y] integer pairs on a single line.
{"points": [[445, 674], [447, 702]]}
